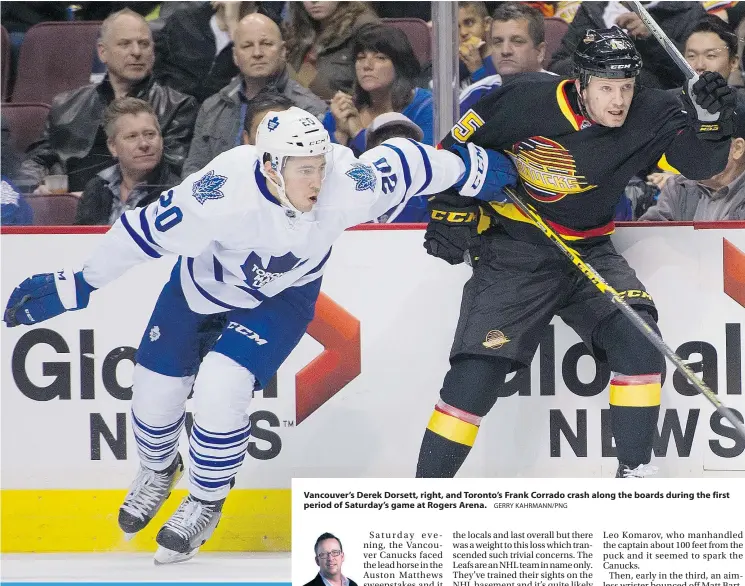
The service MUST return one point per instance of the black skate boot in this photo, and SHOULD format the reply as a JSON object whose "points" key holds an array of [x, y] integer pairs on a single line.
{"points": [[641, 471], [147, 494], [188, 528]]}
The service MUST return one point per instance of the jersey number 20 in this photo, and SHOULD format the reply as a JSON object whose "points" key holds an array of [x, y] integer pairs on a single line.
{"points": [[388, 178], [170, 216]]}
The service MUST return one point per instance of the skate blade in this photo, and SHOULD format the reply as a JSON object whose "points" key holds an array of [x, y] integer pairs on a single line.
{"points": [[165, 556]]}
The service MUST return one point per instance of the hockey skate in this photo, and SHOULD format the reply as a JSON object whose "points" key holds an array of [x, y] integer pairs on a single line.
{"points": [[641, 471], [188, 528], [147, 494]]}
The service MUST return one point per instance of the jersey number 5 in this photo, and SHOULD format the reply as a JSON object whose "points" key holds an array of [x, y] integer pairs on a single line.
{"points": [[469, 123], [170, 216]]}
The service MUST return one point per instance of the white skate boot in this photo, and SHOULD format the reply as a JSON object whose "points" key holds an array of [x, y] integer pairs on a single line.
{"points": [[188, 528], [147, 494], [641, 471]]}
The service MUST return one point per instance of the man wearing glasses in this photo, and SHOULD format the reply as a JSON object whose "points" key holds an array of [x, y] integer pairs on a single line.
{"points": [[329, 557]]}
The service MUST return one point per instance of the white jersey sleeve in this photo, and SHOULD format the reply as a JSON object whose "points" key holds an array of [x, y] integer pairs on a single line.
{"points": [[388, 175], [184, 220]]}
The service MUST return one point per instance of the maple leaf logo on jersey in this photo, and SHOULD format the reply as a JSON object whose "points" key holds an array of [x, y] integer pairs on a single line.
{"points": [[259, 273], [363, 176], [208, 187]]}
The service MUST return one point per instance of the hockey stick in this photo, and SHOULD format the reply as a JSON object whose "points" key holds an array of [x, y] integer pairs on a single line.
{"points": [[663, 39], [626, 309]]}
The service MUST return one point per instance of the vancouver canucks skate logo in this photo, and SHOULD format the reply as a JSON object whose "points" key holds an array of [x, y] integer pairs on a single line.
{"points": [[260, 272], [208, 187], [363, 176], [273, 123]]}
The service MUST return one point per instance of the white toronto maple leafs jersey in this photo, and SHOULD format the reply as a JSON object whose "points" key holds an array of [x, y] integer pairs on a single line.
{"points": [[238, 245]]}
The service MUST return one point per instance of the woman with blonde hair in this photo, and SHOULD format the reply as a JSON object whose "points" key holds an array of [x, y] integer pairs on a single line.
{"points": [[319, 37]]}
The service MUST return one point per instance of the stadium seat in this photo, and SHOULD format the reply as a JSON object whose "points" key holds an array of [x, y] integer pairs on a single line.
{"points": [[418, 33], [53, 210], [5, 57], [26, 123], [556, 28], [54, 57]]}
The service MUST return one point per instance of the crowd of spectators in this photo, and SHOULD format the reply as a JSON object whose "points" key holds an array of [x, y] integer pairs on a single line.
{"points": [[186, 81]]}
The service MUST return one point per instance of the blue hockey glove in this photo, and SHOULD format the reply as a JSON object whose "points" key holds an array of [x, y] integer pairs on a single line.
{"points": [[487, 173], [42, 297]]}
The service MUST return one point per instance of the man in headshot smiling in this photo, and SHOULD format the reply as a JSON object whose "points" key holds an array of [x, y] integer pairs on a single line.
{"points": [[329, 558]]}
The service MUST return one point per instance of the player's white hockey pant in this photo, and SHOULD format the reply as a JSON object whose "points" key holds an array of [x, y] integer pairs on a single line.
{"points": [[219, 438]]}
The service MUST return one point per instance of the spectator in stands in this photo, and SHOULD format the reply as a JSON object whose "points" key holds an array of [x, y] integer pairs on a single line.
{"points": [[385, 69], [396, 125], [677, 20], [260, 107], [720, 198], [14, 209], [712, 46], [319, 39], [473, 28], [259, 52], [518, 45], [391, 125], [139, 175], [74, 141], [193, 51]]}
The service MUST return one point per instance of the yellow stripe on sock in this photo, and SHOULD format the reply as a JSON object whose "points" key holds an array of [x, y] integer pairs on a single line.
{"points": [[635, 395], [453, 428]]}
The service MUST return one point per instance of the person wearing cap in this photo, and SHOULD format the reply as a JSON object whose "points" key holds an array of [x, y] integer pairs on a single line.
{"points": [[575, 144], [721, 197], [386, 69], [391, 125]]}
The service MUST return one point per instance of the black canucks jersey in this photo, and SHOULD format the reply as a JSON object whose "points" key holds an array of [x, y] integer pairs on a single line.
{"points": [[574, 171]]}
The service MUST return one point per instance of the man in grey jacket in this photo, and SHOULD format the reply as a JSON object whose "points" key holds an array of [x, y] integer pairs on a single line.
{"points": [[259, 52], [722, 197]]}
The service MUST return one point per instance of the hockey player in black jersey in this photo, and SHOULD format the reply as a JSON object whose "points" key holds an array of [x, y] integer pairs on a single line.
{"points": [[575, 144]]}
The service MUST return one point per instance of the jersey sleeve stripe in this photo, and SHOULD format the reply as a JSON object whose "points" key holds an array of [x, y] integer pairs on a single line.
{"points": [[145, 226], [427, 167], [146, 248], [205, 294], [404, 165]]}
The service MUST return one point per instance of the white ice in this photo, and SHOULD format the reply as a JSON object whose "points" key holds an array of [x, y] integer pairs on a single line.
{"points": [[125, 567]]}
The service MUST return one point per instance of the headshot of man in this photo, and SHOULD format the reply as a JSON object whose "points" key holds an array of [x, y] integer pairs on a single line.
{"points": [[329, 559]]}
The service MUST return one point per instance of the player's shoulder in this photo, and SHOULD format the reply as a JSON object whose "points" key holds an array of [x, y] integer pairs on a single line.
{"points": [[348, 173], [225, 186], [521, 89], [656, 102]]}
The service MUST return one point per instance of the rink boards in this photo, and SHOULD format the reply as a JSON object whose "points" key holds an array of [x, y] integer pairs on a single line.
{"points": [[355, 396]]}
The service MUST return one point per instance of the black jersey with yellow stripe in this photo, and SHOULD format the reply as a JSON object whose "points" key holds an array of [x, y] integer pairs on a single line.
{"points": [[572, 170]]}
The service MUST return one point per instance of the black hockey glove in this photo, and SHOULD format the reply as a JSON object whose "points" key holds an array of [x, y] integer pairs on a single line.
{"points": [[455, 223], [710, 103]]}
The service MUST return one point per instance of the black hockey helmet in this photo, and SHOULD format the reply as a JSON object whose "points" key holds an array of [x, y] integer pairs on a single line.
{"points": [[608, 53]]}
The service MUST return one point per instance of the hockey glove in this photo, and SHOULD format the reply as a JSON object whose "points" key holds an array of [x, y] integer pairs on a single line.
{"points": [[455, 223], [710, 103], [487, 173], [42, 297]]}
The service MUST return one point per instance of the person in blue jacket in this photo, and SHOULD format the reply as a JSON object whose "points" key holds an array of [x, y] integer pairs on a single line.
{"points": [[386, 71]]}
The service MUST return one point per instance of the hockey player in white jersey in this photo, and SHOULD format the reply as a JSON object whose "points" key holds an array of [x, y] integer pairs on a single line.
{"points": [[253, 231]]}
